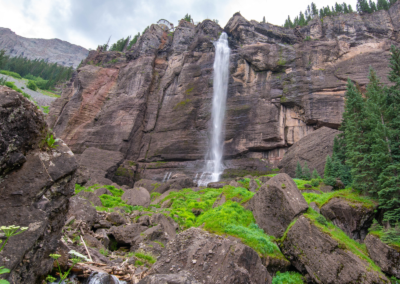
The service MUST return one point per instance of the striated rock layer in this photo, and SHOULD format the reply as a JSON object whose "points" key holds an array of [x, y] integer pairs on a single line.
{"points": [[154, 102], [36, 183]]}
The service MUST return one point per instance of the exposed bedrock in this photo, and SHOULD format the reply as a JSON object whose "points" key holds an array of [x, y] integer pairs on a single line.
{"points": [[153, 103], [36, 182]]}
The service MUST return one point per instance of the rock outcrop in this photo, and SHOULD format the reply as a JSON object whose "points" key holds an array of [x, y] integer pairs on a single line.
{"points": [[153, 103], [36, 182], [353, 218], [51, 50], [385, 256], [317, 254], [211, 259], [137, 196], [276, 204], [312, 149]]}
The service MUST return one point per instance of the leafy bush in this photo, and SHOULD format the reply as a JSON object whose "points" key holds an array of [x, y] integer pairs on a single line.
{"points": [[31, 85], [321, 219], [288, 277], [315, 182], [11, 74]]}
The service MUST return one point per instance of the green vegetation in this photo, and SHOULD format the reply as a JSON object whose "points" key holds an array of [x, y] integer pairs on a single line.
{"points": [[104, 252], [160, 243], [304, 172], [349, 194], [345, 242], [11, 74], [228, 219], [390, 235], [370, 144], [109, 202], [50, 94], [188, 18], [62, 275], [45, 75], [50, 141], [369, 7], [9, 231], [4, 271], [144, 258], [154, 195], [45, 109], [288, 277], [31, 85]]}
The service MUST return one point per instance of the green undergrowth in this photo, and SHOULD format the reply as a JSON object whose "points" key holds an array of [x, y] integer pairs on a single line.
{"points": [[288, 277], [389, 236], [109, 202], [230, 218], [345, 242], [143, 258], [11, 74], [349, 194]]}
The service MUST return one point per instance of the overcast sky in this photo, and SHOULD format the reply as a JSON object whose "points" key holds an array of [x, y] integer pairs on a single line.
{"points": [[90, 22]]}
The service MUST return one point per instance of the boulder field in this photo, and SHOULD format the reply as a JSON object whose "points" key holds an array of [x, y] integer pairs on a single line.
{"points": [[149, 108]]}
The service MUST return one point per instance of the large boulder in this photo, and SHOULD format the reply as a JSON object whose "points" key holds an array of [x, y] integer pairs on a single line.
{"points": [[82, 210], [312, 149], [353, 218], [324, 259], [211, 259], [91, 197], [96, 162], [385, 256], [183, 277], [276, 204], [137, 196], [125, 235], [36, 182]]}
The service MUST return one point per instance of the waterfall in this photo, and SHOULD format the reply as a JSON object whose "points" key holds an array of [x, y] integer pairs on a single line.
{"points": [[214, 167]]}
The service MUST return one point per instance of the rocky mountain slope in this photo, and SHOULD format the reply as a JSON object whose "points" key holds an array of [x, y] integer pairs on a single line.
{"points": [[152, 104], [51, 50]]}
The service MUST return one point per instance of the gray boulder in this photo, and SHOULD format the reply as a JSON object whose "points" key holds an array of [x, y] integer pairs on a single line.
{"points": [[385, 256], [125, 235], [276, 204], [116, 219], [102, 191], [324, 259], [82, 209], [312, 149], [253, 185], [91, 197], [211, 259], [137, 196], [353, 218]]}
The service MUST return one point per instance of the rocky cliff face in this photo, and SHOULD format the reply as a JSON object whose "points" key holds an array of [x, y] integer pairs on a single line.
{"points": [[51, 50], [153, 103], [36, 183]]}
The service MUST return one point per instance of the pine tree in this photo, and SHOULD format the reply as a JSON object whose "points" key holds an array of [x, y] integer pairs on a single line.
{"points": [[306, 172], [299, 170], [363, 6], [382, 5], [345, 8], [350, 9], [372, 6], [315, 174], [263, 19], [328, 171], [314, 9]]}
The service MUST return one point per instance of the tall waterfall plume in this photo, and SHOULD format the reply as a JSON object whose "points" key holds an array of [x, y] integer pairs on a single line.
{"points": [[214, 166]]}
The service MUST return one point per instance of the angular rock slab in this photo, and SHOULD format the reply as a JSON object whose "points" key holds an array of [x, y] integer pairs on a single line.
{"points": [[352, 218], [386, 257], [211, 259], [276, 204], [312, 149], [314, 252], [35, 186]]}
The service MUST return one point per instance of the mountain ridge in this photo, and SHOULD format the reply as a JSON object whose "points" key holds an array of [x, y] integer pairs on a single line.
{"points": [[53, 50]]}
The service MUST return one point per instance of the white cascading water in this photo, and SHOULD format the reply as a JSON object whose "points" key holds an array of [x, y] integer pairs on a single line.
{"points": [[214, 167]]}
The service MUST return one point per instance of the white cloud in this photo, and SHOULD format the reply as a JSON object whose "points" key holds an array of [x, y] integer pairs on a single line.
{"points": [[91, 22]]}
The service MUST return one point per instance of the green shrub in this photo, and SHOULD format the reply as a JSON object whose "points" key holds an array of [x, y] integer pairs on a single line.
{"points": [[315, 182], [330, 181], [145, 257], [31, 85], [11, 74], [288, 277], [321, 219]]}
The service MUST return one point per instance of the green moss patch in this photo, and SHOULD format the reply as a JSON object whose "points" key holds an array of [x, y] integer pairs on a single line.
{"points": [[288, 277], [349, 194]]}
